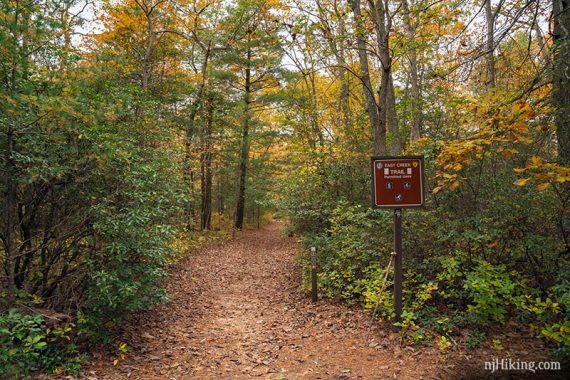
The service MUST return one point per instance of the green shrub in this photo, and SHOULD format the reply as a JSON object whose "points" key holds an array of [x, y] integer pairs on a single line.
{"points": [[483, 253], [22, 341], [352, 255], [133, 225], [26, 345], [490, 291]]}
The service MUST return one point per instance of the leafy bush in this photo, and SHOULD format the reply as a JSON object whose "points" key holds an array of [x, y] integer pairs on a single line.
{"points": [[483, 254], [26, 345], [134, 230], [350, 257], [310, 197], [490, 290]]}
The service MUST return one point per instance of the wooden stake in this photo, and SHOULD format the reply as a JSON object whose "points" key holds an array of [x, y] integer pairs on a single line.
{"points": [[314, 297]]}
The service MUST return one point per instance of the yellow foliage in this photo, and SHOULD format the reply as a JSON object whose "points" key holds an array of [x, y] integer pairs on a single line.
{"points": [[545, 173], [501, 128]]}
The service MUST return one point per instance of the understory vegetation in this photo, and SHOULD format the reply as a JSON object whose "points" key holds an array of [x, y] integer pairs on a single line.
{"points": [[470, 265], [489, 248]]}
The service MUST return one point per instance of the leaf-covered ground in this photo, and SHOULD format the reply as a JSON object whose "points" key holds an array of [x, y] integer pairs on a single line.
{"points": [[236, 312]]}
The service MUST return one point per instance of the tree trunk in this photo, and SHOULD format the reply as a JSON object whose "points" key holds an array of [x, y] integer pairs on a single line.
{"points": [[314, 113], [415, 130], [387, 100], [244, 155], [187, 166], [188, 176], [392, 126], [258, 216], [146, 69], [490, 44], [11, 212], [377, 127], [65, 22], [544, 54], [220, 199], [561, 77], [344, 98], [339, 50], [207, 168]]}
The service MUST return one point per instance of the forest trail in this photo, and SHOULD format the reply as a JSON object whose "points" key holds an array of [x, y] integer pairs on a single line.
{"points": [[236, 312]]}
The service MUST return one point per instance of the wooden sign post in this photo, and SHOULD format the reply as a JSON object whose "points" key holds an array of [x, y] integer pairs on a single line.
{"points": [[314, 268], [397, 183]]}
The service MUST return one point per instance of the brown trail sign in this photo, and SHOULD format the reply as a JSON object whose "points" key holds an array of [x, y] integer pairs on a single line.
{"points": [[397, 182]]}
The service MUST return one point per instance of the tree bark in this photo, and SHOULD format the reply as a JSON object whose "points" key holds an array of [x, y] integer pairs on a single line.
{"points": [[387, 100], [338, 50], [490, 44], [65, 22], [561, 77], [415, 130], [314, 114], [207, 168], [190, 130], [220, 200], [146, 69], [344, 89], [392, 125], [377, 127], [244, 154], [11, 213]]}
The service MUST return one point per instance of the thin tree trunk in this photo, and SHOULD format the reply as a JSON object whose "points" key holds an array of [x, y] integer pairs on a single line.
{"points": [[220, 196], [203, 205], [543, 53], [207, 168], [189, 177], [244, 155], [387, 99], [392, 125], [146, 69], [190, 129], [378, 129], [66, 36], [344, 98], [490, 44], [415, 130], [561, 78], [314, 115], [339, 50], [11, 212], [258, 216]]}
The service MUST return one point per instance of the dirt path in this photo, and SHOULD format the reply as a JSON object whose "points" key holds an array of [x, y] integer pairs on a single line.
{"points": [[236, 312]]}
